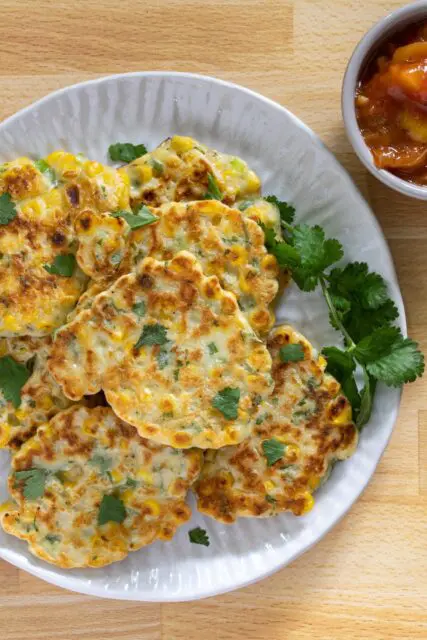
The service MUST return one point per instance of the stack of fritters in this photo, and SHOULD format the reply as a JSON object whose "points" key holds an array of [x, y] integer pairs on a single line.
{"points": [[150, 283]]}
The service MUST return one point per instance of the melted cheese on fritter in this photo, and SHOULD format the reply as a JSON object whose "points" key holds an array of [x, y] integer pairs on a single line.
{"points": [[227, 246], [41, 396], [194, 343], [308, 416], [82, 456], [178, 170]]}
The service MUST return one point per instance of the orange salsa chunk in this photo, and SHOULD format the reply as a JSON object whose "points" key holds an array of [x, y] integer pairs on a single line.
{"points": [[391, 105]]}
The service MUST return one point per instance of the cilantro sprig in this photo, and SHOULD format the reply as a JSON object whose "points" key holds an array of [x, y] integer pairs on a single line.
{"points": [[13, 377], [140, 218], [126, 151], [199, 536], [359, 307]]}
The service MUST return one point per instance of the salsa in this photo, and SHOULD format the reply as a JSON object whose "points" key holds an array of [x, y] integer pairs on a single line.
{"points": [[391, 105]]}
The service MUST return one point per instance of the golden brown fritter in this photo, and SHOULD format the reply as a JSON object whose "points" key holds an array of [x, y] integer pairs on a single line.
{"points": [[173, 353], [298, 435], [87, 490]]}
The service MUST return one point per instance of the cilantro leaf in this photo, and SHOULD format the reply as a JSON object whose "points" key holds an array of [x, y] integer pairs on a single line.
{"points": [[355, 281], [377, 344], [270, 499], [7, 209], [361, 322], [245, 204], [34, 481], [126, 151], [291, 353], [158, 167], [199, 536], [43, 167], [111, 509], [139, 309], [152, 334], [63, 265], [287, 211], [227, 401], [315, 252], [213, 192], [140, 218], [13, 376], [213, 349], [361, 300], [400, 361], [341, 365], [366, 400], [273, 450], [52, 538]]}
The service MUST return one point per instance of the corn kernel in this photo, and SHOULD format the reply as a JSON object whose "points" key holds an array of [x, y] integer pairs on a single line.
{"points": [[269, 486], [344, 417], [180, 144], [153, 506], [5, 432], [127, 496], [116, 475], [293, 451], [7, 506], [308, 503], [45, 402], [243, 284], [9, 323], [269, 262], [321, 362], [145, 476], [238, 254], [253, 183]]}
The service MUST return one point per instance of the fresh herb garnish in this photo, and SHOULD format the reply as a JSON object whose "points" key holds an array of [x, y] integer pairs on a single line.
{"points": [[227, 401], [63, 265], [359, 307], [139, 309], [158, 167], [7, 209], [13, 376], [287, 211], [140, 218], [152, 334], [213, 349], [270, 499], [213, 192], [50, 537], [126, 151], [33, 480], [43, 167], [291, 353], [199, 536], [111, 509], [273, 450]]}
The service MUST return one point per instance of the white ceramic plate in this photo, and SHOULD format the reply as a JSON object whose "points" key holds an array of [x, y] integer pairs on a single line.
{"points": [[293, 164]]}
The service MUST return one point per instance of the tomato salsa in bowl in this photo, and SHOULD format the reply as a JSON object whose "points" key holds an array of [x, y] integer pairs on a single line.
{"points": [[385, 100]]}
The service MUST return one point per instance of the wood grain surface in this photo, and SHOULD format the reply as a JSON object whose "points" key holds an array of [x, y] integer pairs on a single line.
{"points": [[368, 578]]}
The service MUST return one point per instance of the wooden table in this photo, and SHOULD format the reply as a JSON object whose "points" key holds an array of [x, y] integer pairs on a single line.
{"points": [[368, 578]]}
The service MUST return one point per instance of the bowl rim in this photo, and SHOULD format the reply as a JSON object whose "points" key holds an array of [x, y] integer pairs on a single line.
{"points": [[385, 26], [70, 581]]}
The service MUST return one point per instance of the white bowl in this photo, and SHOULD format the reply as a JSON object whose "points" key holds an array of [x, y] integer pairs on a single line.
{"points": [[293, 164], [380, 32]]}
